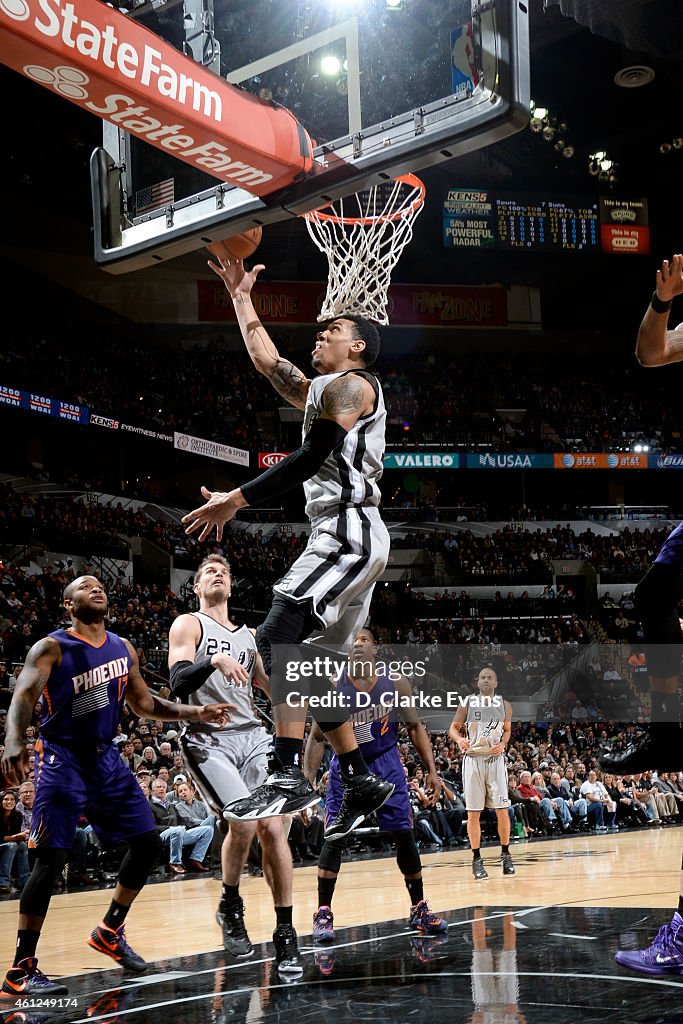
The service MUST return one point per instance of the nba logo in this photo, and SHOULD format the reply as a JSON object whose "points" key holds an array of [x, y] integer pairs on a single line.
{"points": [[463, 68]]}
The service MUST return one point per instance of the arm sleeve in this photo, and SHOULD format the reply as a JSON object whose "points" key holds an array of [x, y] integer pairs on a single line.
{"points": [[324, 437], [188, 676]]}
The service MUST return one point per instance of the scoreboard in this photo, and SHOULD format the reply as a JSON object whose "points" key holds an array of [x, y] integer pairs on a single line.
{"points": [[555, 224], [481, 219]]}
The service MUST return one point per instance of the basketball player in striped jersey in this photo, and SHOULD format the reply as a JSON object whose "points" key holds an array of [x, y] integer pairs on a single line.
{"points": [[82, 676], [212, 659], [482, 733], [329, 587]]}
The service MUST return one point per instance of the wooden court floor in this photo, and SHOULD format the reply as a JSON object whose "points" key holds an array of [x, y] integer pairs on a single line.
{"points": [[635, 869]]}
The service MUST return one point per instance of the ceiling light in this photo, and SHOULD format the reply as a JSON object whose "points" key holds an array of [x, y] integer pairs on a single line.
{"points": [[568, 152], [330, 65], [548, 133]]}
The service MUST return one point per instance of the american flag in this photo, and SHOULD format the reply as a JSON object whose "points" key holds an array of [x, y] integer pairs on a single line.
{"points": [[161, 194]]}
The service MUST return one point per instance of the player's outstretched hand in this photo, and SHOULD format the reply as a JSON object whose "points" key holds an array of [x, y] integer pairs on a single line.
{"points": [[217, 714], [14, 763], [236, 279], [218, 510], [670, 278], [231, 669]]}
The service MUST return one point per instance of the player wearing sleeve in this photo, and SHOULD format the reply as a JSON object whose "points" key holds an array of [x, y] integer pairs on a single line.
{"points": [[482, 734], [329, 587], [212, 659], [82, 676], [376, 727], [658, 595]]}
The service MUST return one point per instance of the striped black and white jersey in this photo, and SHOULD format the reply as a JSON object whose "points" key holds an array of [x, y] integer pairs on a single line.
{"points": [[351, 474], [240, 645], [485, 726]]}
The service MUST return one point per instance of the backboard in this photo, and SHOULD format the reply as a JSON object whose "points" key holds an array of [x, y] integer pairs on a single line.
{"points": [[383, 87]]}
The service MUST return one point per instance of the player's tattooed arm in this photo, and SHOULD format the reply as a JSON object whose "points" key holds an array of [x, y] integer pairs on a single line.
{"points": [[346, 399], [289, 382], [40, 660]]}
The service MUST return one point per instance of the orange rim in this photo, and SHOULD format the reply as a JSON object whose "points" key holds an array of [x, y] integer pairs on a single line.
{"points": [[408, 179]]}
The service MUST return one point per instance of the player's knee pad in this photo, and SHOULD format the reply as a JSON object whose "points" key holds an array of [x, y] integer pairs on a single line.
{"points": [[141, 857], [407, 855], [331, 856], [35, 896]]}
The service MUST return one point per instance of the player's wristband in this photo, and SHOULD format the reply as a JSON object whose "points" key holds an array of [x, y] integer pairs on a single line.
{"points": [[660, 305]]}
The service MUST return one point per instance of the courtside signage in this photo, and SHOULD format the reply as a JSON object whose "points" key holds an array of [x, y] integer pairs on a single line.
{"points": [[109, 64], [212, 449], [31, 401], [268, 459]]}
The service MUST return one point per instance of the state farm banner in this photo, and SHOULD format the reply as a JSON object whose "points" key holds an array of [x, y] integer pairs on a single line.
{"points": [[111, 65], [212, 449], [297, 302]]}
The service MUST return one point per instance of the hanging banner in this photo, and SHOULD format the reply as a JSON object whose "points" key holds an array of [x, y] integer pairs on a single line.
{"points": [[297, 302]]}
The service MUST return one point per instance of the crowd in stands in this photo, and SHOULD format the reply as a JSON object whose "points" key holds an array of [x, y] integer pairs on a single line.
{"points": [[61, 522], [215, 393], [555, 788]]}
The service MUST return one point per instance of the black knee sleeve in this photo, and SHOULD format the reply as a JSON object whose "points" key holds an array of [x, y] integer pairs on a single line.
{"points": [[35, 896], [656, 599], [286, 623], [141, 857], [331, 856], [407, 855]]}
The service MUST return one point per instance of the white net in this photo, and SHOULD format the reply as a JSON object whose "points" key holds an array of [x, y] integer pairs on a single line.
{"points": [[363, 236]]}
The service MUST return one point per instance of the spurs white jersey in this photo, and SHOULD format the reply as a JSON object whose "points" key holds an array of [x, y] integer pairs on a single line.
{"points": [[239, 644], [485, 726], [349, 476]]}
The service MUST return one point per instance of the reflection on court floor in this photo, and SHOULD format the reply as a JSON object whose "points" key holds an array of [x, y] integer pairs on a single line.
{"points": [[494, 966]]}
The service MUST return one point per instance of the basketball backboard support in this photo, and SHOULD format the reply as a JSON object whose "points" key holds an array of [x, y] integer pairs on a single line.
{"points": [[415, 83]]}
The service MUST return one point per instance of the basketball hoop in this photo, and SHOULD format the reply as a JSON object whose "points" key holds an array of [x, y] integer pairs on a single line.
{"points": [[363, 236]]}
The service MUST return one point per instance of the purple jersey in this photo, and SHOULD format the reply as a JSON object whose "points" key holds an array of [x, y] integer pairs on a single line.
{"points": [[83, 697], [373, 716], [371, 713]]}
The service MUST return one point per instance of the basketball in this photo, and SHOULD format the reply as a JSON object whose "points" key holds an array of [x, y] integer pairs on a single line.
{"points": [[237, 247]]}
